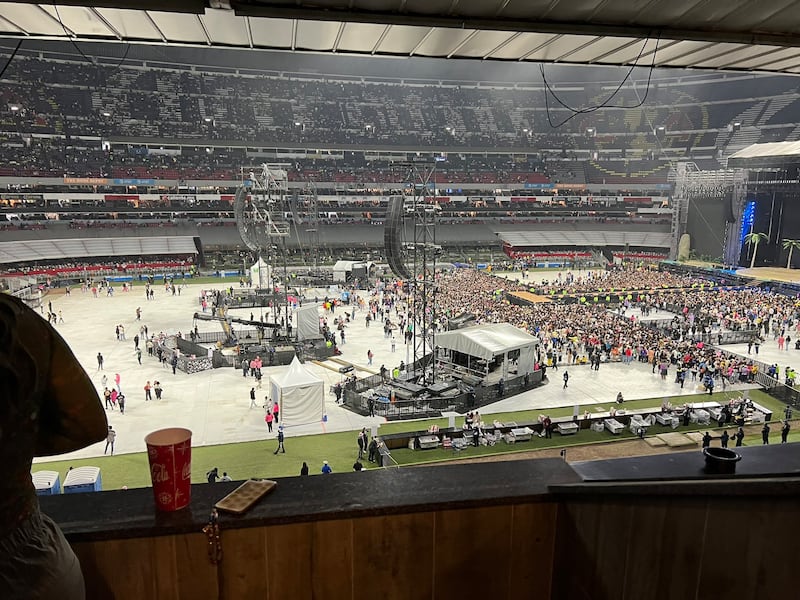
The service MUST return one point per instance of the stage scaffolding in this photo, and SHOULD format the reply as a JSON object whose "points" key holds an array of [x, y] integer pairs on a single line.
{"points": [[411, 233], [727, 184]]}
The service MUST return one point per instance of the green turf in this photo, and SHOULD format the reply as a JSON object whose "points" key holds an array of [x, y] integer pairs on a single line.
{"points": [[241, 460], [584, 437], [256, 459], [758, 396]]}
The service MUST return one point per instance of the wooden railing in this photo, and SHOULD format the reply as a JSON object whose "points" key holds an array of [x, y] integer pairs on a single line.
{"points": [[517, 529]]}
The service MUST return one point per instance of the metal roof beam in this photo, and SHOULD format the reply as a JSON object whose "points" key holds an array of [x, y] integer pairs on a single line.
{"points": [[462, 43], [338, 37], [57, 21], [14, 25], [578, 49], [502, 44], [249, 29], [422, 41], [532, 25], [155, 26], [539, 47], [105, 22], [381, 37], [203, 27], [175, 6]]}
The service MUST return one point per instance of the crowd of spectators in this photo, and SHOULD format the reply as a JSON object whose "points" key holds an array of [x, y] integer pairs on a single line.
{"points": [[76, 98], [79, 269], [63, 97], [576, 331], [54, 156]]}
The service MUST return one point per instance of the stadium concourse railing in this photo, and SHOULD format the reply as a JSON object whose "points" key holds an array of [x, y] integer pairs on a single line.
{"points": [[30, 295]]}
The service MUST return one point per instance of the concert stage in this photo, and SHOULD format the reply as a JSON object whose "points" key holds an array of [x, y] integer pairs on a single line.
{"points": [[784, 280], [528, 297], [781, 274]]}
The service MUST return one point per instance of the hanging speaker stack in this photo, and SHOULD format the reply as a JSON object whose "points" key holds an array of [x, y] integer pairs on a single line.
{"points": [[393, 237]]}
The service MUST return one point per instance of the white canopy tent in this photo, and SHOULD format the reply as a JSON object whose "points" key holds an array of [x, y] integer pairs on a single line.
{"points": [[491, 340], [300, 395], [307, 318], [343, 270], [261, 274]]}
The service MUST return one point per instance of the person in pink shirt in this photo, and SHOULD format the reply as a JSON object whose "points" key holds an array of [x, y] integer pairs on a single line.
{"points": [[269, 418]]}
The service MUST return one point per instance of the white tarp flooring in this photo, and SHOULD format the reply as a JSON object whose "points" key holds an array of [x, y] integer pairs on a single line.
{"points": [[215, 404]]}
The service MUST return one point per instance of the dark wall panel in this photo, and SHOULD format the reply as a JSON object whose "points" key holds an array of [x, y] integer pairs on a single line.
{"points": [[706, 225]]}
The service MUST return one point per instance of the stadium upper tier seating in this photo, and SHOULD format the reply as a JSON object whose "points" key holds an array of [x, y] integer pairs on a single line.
{"points": [[41, 97]]}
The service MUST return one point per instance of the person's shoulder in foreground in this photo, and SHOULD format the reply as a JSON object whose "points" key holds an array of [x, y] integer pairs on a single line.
{"points": [[50, 406]]}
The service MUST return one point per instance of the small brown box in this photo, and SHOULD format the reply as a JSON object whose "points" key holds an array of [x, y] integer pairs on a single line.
{"points": [[246, 495]]}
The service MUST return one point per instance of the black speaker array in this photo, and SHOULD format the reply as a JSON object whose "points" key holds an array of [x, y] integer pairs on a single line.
{"points": [[393, 237]]}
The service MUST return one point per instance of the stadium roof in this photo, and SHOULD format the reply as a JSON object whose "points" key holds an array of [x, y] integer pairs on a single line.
{"points": [[771, 155], [585, 239], [67, 249], [738, 34]]}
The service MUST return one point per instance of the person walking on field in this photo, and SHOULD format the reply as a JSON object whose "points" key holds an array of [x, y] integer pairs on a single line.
{"points": [[362, 443], [111, 436], [280, 447]]}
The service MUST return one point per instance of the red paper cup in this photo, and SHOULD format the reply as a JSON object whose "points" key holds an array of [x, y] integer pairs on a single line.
{"points": [[170, 454]]}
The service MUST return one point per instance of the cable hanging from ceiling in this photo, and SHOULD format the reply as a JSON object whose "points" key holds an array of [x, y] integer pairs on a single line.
{"points": [[548, 90]]}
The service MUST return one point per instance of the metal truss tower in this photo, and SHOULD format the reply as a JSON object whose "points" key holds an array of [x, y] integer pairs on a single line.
{"points": [[306, 202], [420, 211], [261, 207]]}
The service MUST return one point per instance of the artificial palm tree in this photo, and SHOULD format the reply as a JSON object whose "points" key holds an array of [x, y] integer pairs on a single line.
{"points": [[754, 239], [790, 245]]}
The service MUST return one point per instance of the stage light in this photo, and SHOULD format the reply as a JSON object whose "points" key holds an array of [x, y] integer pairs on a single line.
{"points": [[748, 216]]}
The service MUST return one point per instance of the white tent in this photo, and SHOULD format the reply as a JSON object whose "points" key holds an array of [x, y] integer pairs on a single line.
{"points": [[260, 274], [343, 270], [300, 395], [307, 322], [490, 340]]}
